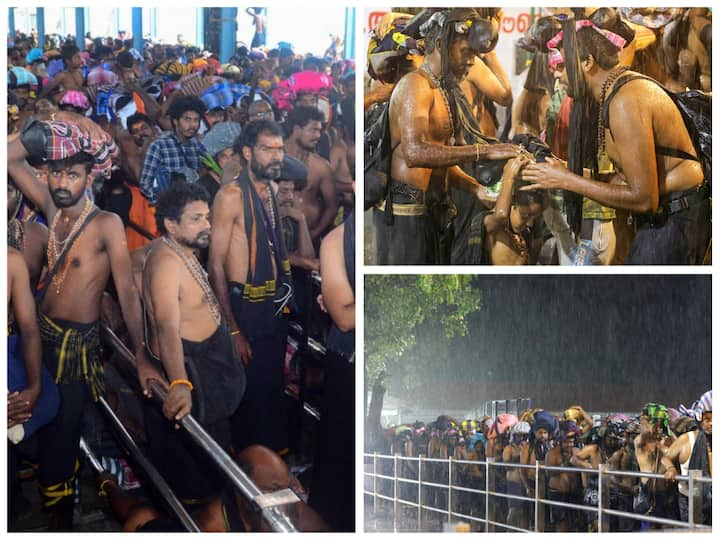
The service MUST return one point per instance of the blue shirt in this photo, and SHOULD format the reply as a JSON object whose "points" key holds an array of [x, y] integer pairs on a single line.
{"points": [[167, 155]]}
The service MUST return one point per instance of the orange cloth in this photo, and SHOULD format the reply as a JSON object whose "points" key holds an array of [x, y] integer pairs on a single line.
{"points": [[142, 214]]}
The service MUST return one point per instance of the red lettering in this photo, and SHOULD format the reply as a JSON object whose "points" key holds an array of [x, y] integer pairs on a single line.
{"points": [[508, 24], [523, 22]]}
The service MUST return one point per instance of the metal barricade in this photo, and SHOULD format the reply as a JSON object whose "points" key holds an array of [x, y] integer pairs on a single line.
{"points": [[539, 501], [277, 520]]}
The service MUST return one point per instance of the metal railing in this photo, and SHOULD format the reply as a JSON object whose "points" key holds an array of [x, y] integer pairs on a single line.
{"points": [[539, 501], [276, 519]]}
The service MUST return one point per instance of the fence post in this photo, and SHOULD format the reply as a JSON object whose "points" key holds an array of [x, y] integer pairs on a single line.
{"points": [[603, 500], [450, 484], [490, 514], [487, 496], [396, 505], [695, 496], [375, 487], [420, 491], [539, 495]]}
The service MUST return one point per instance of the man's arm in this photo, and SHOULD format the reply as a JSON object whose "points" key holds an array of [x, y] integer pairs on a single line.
{"points": [[410, 103], [227, 208], [163, 289], [635, 144], [23, 305], [583, 457], [150, 166], [491, 80], [672, 454], [54, 83], [337, 293], [120, 265], [329, 195], [25, 178]]}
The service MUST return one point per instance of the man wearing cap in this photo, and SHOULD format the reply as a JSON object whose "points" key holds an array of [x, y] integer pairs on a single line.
{"points": [[563, 486], [219, 142], [92, 247], [693, 451], [641, 131], [414, 223]]}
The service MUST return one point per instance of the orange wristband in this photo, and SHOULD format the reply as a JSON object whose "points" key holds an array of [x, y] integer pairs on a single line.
{"points": [[181, 382]]}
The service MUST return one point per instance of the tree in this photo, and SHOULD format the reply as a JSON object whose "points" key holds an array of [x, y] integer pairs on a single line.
{"points": [[395, 306]]}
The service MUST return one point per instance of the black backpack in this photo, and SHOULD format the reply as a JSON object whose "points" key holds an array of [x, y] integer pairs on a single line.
{"points": [[695, 107]]}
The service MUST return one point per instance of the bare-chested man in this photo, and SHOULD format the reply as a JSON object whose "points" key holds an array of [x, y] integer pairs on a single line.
{"points": [[643, 132], [563, 486], [319, 197], [93, 245], [518, 510], [250, 274], [70, 79], [424, 131], [693, 451], [190, 340]]}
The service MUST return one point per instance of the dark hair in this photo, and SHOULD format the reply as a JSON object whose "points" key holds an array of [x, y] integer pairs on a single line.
{"points": [[301, 116], [186, 103], [81, 158], [252, 131], [68, 51], [172, 202], [592, 42], [522, 198], [138, 117], [101, 51], [126, 59]]}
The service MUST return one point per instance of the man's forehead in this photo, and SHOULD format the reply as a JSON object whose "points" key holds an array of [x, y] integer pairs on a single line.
{"points": [[267, 139], [196, 207]]}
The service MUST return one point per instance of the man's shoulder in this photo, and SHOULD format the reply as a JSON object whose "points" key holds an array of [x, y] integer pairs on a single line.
{"points": [[320, 164], [229, 192]]}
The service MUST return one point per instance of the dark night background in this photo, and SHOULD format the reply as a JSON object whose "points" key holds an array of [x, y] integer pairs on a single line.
{"points": [[609, 343]]}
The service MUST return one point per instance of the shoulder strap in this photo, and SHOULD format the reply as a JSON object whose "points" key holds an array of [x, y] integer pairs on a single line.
{"points": [[622, 81], [58, 264]]}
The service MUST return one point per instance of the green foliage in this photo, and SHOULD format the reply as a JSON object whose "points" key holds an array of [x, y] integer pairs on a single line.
{"points": [[396, 305]]}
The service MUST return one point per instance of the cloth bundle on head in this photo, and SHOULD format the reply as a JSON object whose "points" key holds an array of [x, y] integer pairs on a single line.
{"points": [[468, 426], [567, 429], [546, 420], [18, 77], [65, 140], [700, 406], [657, 413], [76, 98], [477, 437], [121, 107], [221, 136], [502, 423], [153, 86], [520, 431], [387, 41], [33, 55]]}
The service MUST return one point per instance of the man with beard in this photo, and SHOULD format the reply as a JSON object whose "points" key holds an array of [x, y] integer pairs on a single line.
{"points": [[659, 177], [177, 151], [134, 147], [319, 198], [250, 273], [693, 451], [427, 142], [192, 343], [85, 245]]}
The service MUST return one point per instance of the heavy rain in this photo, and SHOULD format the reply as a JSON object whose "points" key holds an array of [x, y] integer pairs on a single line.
{"points": [[609, 344]]}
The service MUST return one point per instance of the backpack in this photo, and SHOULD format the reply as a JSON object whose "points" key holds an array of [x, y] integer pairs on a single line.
{"points": [[695, 108], [378, 154]]}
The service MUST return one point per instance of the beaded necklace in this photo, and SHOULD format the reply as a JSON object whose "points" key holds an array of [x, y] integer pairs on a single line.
{"points": [[200, 276], [446, 99], [607, 84], [518, 242], [56, 248]]}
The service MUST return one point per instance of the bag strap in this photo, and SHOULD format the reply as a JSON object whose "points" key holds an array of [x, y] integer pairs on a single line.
{"points": [[58, 264], [622, 81]]}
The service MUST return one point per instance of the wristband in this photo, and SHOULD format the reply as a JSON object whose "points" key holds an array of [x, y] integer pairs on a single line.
{"points": [[182, 382]]}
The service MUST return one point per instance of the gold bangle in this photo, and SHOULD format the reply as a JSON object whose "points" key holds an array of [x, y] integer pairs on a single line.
{"points": [[233, 333], [477, 152], [102, 487], [181, 382], [52, 117]]}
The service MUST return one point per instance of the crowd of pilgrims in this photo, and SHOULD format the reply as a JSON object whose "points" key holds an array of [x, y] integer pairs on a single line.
{"points": [[152, 120], [662, 440], [519, 225]]}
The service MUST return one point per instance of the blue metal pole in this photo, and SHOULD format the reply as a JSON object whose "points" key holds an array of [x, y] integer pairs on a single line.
{"points": [[11, 22], [200, 28], [137, 33], [153, 22], [40, 18], [349, 39], [80, 28], [228, 31]]}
